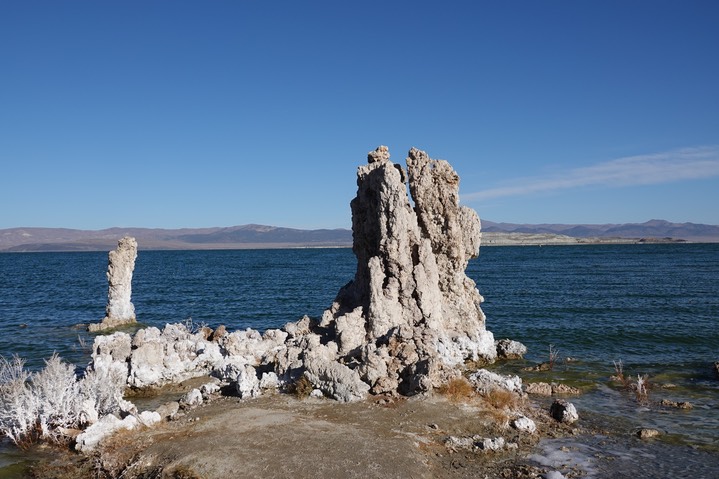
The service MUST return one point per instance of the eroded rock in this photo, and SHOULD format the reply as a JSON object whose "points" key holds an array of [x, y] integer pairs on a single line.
{"points": [[168, 410], [410, 312], [547, 389], [563, 411], [509, 349], [524, 424], [477, 443], [539, 389], [248, 385], [485, 381], [192, 399], [91, 437], [121, 264], [149, 418]]}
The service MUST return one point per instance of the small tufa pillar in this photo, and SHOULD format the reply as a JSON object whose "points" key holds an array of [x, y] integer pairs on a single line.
{"points": [[121, 263]]}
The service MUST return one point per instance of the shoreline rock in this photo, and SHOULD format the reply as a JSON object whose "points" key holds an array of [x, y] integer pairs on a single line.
{"points": [[509, 349], [549, 389], [563, 411]]}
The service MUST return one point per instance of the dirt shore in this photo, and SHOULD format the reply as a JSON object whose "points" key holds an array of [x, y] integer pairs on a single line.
{"points": [[281, 436]]}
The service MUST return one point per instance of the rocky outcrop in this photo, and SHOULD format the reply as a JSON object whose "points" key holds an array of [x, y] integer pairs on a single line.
{"points": [[121, 264], [405, 323], [410, 315]]}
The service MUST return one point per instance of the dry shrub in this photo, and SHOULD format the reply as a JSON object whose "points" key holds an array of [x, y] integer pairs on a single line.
{"points": [[502, 399], [457, 390], [641, 389], [502, 402], [302, 388], [117, 455]]}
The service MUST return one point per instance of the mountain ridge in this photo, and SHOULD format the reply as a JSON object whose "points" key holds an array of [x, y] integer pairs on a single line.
{"points": [[264, 236], [654, 228]]}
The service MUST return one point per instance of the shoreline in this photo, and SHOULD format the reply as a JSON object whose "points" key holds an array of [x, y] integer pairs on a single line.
{"points": [[488, 240], [282, 436]]}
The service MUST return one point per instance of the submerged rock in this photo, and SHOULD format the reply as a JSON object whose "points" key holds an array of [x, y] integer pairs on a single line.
{"points": [[546, 389], [647, 433], [677, 405], [539, 389], [121, 264]]}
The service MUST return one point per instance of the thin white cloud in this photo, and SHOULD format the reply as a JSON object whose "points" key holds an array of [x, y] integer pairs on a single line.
{"points": [[675, 165]]}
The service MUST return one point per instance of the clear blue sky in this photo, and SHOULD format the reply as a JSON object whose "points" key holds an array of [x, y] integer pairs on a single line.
{"points": [[217, 113]]}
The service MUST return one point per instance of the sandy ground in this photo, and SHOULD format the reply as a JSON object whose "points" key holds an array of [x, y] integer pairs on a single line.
{"points": [[281, 436]]}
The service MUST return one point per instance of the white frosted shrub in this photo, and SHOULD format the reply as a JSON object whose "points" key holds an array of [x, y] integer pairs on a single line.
{"points": [[105, 387], [58, 394], [46, 403], [18, 405]]}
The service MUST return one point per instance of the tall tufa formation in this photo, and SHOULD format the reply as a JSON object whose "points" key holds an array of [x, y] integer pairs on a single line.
{"points": [[121, 264], [411, 314]]}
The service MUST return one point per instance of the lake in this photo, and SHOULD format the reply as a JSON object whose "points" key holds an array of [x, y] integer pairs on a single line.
{"points": [[654, 307]]}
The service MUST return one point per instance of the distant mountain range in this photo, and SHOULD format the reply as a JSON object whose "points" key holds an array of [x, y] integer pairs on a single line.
{"points": [[245, 236], [651, 229], [259, 236]]}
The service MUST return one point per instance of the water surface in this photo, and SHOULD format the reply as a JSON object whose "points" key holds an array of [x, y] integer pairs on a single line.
{"points": [[655, 307]]}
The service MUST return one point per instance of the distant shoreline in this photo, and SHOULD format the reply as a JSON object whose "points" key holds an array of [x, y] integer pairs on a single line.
{"points": [[533, 239], [272, 237], [489, 239]]}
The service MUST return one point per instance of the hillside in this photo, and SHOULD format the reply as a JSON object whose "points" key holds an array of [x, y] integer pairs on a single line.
{"points": [[260, 236], [245, 236], [692, 232]]}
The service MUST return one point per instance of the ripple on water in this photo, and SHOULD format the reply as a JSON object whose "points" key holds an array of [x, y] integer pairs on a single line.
{"points": [[624, 457]]}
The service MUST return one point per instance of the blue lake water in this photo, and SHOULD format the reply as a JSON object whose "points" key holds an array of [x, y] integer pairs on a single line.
{"points": [[655, 307]]}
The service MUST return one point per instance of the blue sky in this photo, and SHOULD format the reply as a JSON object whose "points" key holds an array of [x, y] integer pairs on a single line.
{"points": [[195, 114]]}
